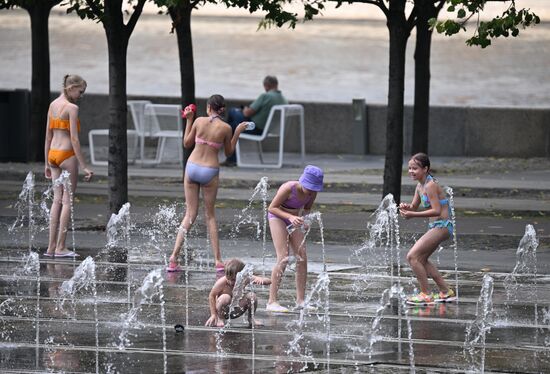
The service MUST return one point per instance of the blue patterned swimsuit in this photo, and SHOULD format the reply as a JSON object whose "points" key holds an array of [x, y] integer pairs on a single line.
{"points": [[440, 223]]}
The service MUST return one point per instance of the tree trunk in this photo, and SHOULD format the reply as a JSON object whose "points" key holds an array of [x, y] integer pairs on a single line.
{"points": [[117, 44], [181, 21], [399, 33], [421, 116], [39, 13]]}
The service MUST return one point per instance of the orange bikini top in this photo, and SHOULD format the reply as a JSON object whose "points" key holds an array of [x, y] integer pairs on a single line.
{"points": [[62, 124]]}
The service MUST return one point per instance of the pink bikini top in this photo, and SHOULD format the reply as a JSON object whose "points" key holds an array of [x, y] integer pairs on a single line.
{"points": [[208, 142]]}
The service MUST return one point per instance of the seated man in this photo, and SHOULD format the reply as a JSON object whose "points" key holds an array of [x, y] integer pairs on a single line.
{"points": [[257, 112]]}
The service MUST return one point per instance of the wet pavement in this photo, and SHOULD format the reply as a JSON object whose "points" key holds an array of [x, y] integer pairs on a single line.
{"points": [[121, 319]]}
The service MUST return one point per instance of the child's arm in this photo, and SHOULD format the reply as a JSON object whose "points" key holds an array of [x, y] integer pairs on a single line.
{"points": [[212, 297], [280, 197], [261, 280], [431, 190], [190, 129], [414, 204]]}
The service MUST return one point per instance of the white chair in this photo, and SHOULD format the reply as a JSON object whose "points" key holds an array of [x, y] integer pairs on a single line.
{"points": [[274, 128], [163, 122], [135, 108]]}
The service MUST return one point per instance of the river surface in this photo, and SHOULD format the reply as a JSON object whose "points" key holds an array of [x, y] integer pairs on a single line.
{"points": [[326, 60]]}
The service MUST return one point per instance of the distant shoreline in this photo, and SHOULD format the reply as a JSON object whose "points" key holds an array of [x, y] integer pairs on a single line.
{"points": [[328, 61]]}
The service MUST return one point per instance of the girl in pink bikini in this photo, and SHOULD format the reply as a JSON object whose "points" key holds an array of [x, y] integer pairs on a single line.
{"points": [[209, 135], [62, 152], [293, 200]]}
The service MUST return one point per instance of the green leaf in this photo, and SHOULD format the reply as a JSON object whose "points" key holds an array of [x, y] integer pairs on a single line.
{"points": [[461, 13]]}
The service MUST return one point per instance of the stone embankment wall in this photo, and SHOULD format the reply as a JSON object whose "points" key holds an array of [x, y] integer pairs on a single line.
{"points": [[454, 131]]}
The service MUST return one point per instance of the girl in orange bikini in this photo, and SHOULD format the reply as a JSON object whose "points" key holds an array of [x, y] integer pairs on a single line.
{"points": [[62, 152]]}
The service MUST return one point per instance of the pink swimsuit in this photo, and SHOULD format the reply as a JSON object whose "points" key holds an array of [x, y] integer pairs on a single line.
{"points": [[208, 142], [291, 203]]}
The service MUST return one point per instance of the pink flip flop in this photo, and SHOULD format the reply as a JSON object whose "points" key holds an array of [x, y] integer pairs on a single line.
{"points": [[49, 254], [173, 267], [67, 254]]}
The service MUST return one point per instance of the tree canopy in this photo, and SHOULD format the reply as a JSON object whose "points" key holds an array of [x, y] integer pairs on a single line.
{"points": [[507, 24]]}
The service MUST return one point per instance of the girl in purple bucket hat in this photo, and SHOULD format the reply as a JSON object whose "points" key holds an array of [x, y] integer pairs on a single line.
{"points": [[285, 213]]}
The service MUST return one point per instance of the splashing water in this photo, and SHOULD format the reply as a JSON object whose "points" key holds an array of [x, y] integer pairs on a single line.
{"points": [[152, 286], [383, 232], [186, 270], [477, 330], [305, 228], [32, 267], [118, 237], [526, 266], [44, 211], [247, 217], [449, 192], [7, 329], [84, 279], [316, 300], [25, 205], [545, 321], [64, 181], [118, 227], [243, 283], [395, 292], [163, 229]]}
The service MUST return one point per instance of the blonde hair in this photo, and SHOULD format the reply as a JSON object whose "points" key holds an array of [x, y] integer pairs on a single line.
{"points": [[73, 80], [233, 267]]}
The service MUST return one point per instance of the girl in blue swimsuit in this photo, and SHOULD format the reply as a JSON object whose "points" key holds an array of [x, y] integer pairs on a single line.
{"points": [[431, 198]]}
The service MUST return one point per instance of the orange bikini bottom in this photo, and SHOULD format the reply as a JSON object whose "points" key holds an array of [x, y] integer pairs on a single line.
{"points": [[57, 156]]}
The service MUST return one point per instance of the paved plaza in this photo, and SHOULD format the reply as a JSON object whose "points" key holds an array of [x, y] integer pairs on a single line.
{"points": [[113, 309]]}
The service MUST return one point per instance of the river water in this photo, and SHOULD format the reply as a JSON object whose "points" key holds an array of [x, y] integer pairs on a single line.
{"points": [[326, 60]]}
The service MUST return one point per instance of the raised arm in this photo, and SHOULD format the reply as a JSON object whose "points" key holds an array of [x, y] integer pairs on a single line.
{"points": [[230, 142], [190, 129]]}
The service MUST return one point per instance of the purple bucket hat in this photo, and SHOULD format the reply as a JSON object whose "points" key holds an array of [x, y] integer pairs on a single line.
{"points": [[312, 178]]}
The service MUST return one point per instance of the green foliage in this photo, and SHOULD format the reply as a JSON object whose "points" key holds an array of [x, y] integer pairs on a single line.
{"points": [[25, 4], [91, 9], [505, 25], [274, 11], [8, 4]]}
